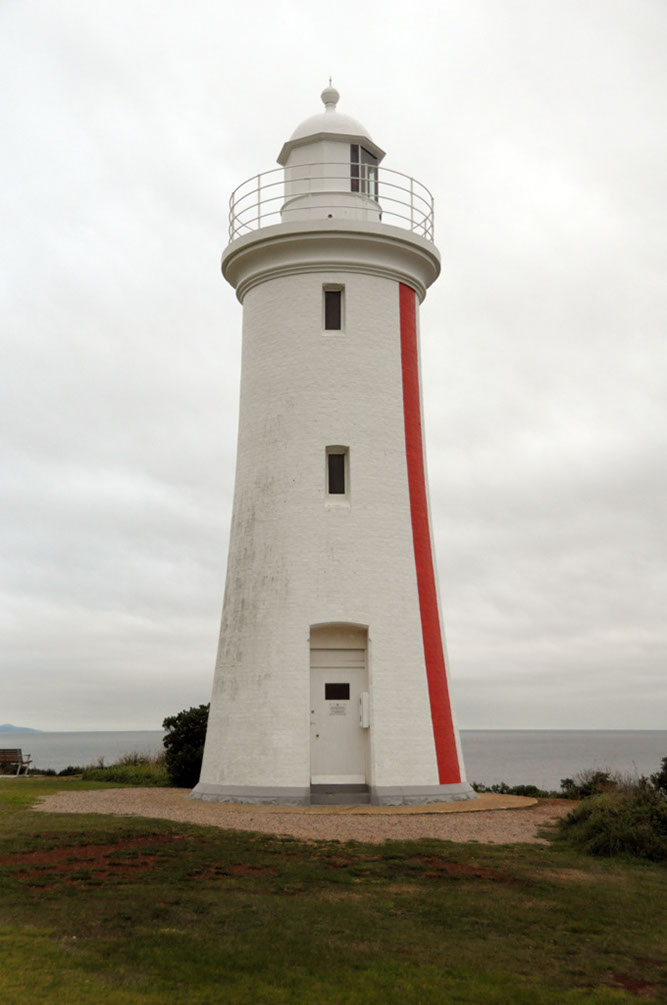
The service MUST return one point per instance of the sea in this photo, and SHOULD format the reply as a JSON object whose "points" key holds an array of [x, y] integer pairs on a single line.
{"points": [[515, 756]]}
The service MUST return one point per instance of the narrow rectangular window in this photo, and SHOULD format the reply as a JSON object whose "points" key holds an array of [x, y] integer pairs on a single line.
{"points": [[337, 475], [333, 310], [336, 471]]}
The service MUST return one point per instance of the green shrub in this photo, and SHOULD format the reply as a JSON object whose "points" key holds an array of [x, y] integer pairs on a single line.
{"points": [[529, 790], [516, 790], [585, 784], [619, 823], [184, 745], [130, 769], [588, 783], [659, 779]]}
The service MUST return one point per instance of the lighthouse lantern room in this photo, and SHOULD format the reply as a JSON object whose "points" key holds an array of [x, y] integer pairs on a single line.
{"points": [[331, 682]]}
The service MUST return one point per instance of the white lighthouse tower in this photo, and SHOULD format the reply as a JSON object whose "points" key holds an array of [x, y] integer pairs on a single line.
{"points": [[331, 682]]}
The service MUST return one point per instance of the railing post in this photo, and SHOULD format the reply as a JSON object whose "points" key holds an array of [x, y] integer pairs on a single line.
{"points": [[412, 204], [259, 201]]}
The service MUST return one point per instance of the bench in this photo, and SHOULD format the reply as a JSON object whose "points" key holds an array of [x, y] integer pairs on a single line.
{"points": [[10, 758]]}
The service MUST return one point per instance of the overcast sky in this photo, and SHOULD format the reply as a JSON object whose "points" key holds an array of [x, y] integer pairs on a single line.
{"points": [[540, 127]]}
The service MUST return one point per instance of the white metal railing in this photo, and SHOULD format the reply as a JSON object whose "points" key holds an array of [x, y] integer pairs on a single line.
{"points": [[396, 198]]}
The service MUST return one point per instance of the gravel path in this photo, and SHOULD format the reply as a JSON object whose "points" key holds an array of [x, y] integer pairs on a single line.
{"points": [[488, 819]]}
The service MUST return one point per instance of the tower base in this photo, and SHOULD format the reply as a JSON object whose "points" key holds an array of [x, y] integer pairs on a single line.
{"points": [[259, 795], [420, 795], [380, 795]]}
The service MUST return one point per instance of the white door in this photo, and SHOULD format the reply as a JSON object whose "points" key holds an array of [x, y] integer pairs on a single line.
{"points": [[338, 741]]}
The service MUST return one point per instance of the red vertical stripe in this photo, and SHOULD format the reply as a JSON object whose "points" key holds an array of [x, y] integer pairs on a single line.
{"points": [[441, 713]]}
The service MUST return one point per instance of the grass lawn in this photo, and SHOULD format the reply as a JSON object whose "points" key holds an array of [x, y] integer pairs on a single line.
{"points": [[103, 910]]}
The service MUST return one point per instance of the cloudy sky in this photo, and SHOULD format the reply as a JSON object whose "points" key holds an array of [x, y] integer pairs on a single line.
{"points": [[540, 127]]}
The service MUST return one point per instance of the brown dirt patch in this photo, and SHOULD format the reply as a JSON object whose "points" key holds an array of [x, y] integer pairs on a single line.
{"points": [[634, 985], [220, 870], [250, 870], [437, 868], [341, 862], [81, 865], [430, 866]]}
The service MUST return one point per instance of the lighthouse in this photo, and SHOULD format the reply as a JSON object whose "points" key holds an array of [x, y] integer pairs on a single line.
{"points": [[331, 682]]}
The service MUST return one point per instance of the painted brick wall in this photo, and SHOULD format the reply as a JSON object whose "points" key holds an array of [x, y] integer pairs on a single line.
{"points": [[296, 560]]}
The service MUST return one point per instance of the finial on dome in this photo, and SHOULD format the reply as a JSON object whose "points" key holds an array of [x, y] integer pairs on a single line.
{"points": [[330, 97]]}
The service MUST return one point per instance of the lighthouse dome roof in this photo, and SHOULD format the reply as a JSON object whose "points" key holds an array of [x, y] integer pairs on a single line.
{"points": [[330, 123]]}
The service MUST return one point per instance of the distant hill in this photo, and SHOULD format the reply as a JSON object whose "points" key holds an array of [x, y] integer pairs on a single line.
{"points": [[6, 727]]}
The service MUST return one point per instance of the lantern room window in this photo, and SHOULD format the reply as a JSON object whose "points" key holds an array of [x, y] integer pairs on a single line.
{"points": [[363, 171]]}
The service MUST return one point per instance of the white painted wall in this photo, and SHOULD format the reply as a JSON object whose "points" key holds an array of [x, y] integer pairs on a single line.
{"points": [[294, 561], [317, 184]]}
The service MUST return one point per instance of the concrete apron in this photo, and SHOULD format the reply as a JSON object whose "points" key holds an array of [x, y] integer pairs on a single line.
{"points": [[482, 802], [332, 794]]}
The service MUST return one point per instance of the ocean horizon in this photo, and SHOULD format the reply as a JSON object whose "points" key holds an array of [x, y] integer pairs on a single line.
{"points": [[515, 756]]}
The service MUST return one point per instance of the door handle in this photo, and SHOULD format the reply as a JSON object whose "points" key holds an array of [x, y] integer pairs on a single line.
{"points": [[364, 710]]}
